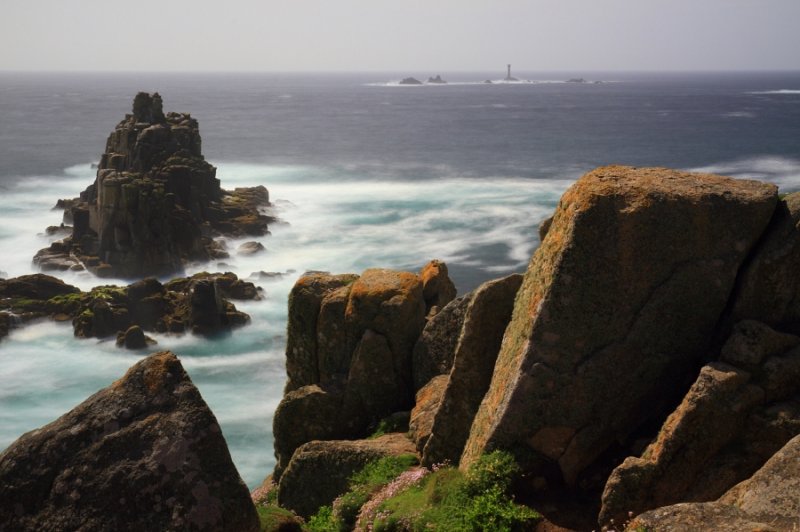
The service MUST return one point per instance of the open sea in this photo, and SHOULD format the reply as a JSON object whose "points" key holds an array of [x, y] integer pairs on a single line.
{"points": [[365, 173]]}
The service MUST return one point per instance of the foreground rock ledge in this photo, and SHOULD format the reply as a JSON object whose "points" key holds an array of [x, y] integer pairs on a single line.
{"points": [[146, 453], [599, 339]]}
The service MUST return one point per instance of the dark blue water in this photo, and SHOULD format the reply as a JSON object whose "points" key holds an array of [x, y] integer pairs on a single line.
{"points": [[51, 121], [368, 174]]}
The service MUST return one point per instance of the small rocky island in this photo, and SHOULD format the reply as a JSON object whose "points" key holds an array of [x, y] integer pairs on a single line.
{"points": [[155, 205], [410, 81]]}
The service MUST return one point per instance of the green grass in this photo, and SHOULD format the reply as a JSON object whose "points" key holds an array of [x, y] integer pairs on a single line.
{"points": [[273, 517], [448, 499]]}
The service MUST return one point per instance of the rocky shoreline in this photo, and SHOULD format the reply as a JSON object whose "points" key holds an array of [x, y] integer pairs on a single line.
{"points": [[644, 372]]}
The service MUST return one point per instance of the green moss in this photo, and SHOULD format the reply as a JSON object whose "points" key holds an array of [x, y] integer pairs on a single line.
{"points": [[66, 303], [22, 304], [111, 293]]}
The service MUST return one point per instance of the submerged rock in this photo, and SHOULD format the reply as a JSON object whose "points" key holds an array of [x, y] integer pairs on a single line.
{"points": [[155, 203], [410, 81], [631, 257], [145, 453]]}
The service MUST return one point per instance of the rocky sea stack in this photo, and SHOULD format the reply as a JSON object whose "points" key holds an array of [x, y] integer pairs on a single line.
{"points": [[155, 203]]}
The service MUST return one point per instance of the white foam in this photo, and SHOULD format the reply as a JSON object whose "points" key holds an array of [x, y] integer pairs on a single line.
{"points": [[778, 91], [343, 219], [782, 171]]}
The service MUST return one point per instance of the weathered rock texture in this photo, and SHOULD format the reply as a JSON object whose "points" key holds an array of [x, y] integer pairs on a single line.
{"points": [[739, 412], [155, 204], [349, 353], [320, 470], [767, 502], [198, 304], [426, 403], [145, 453], [769, 290], [479, 340], [616, 308], [434, 351]]}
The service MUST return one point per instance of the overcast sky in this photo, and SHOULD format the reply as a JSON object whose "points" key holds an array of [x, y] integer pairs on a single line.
{"points": [[399, 35]]}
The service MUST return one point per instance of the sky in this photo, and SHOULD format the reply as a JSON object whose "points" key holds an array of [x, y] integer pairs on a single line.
{"points": [[399, 35]]}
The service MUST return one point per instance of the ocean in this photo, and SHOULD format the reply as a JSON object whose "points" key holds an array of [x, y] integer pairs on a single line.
{"points": [[364, 172]]}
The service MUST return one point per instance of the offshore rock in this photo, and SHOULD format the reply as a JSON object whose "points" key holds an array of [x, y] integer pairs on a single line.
{"points": [[155, 203], [631, 257], [348, 354], [320, 470], [145, 453], [768, 502], [486, 319], [107, 311], [730, 422]]}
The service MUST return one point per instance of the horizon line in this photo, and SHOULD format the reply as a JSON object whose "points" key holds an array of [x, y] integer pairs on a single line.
{"points": [[483, 71]]}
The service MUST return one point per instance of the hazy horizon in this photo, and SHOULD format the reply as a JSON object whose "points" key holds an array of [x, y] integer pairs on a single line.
{"points": [[315, 36]]}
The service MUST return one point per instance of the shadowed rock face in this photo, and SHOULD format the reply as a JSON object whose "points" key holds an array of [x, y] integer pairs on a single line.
{"points": [[767, 501], [618, 304], [155, 203], [485, 321], [739, 411], [320, 470], [769, 290], [145, 453]]}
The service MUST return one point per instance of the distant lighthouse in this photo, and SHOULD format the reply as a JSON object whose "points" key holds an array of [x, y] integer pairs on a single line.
{"points": [[509, 77]]}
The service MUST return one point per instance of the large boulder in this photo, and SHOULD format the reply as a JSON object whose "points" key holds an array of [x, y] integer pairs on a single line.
{"points": [[303, 415], [320, 470], [349, 354], [305, 301], [769, 501], [479, 340], [728, 424], [145, 453], [598, 342]]}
